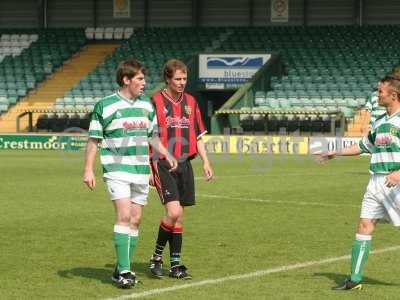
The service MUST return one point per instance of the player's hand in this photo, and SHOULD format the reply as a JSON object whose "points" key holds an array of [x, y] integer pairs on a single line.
{"points": [[208, 172], [89, 179], [172, 162], [151, 179], [325, 156], [392, 179]]}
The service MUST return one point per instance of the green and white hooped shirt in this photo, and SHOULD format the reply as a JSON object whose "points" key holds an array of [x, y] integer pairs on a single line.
{"points": [[124, 126], [383, 142]]}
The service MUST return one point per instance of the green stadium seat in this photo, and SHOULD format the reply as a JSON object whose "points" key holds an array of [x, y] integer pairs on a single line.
{"points": [[284, 103]]}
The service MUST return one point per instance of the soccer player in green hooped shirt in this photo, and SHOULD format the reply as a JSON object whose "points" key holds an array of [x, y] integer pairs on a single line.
{"points": [[382, 197], [125, 123]]}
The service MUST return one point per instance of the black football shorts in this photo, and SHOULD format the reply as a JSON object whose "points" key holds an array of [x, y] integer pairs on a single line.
{"points": [[176, 185]]}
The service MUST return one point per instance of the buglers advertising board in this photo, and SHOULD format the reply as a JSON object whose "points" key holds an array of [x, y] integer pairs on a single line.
{"points": [[229, 68]]}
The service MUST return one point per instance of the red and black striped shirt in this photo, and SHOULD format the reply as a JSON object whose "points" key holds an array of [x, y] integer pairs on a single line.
{"points": [[180, 124]]}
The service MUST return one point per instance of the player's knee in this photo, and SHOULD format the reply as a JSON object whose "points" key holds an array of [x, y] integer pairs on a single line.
{"points": [[174, 215], [123, 218], [135, 221]]}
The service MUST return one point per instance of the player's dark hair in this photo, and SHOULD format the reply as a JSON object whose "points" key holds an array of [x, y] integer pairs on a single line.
{"points": [[128, 68], [171, 67]]}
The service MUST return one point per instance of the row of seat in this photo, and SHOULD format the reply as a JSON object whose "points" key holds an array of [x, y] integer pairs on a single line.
{"points": [[5, 37], [76, 102], [108, 33], [322, 86], [285, 124], [14, 44], [62, 122]]}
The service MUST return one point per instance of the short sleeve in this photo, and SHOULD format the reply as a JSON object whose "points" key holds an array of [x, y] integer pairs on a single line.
{"points": [[153, 124], [199, 125], [96, 129]]}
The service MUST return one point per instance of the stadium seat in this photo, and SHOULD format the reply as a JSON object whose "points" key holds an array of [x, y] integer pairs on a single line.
{"points": [[89, 32], [109, 33], [99, 33], [128, 31], [119, 33]]}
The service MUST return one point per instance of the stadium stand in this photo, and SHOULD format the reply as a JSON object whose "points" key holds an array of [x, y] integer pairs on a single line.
{"points": [[57, 60], [151, 46], [328, 67], [31, 57]]}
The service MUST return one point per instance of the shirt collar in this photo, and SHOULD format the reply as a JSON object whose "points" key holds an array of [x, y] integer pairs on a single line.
{"points": [[393, 114], [168, 97], [131, 101]]}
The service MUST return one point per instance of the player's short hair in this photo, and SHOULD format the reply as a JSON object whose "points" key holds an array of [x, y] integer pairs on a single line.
{"points": [[394, 81], [396, 71], [171, 67], [129, 68]]}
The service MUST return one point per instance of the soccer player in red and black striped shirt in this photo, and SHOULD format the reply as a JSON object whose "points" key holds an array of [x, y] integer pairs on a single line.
{"points": [[180, 130]]}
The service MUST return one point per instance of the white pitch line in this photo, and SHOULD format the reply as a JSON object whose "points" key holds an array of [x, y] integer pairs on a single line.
{"points": [[303, 203], [232, 176], [245, 276], [268, 174]]}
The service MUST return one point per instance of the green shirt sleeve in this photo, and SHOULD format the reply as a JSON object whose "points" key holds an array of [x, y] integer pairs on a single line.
{"points": [[96, 129]]}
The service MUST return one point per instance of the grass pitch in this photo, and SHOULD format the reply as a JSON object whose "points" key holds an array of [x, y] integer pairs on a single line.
{"points": [[261, 213]]}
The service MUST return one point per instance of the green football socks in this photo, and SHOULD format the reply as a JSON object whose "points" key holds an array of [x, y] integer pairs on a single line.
{"points": [[359, 256], [134, 236], [122, 247]]}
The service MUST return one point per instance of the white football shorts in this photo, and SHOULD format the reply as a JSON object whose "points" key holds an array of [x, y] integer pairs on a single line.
{"points": [[120, 189], [381, 202]]}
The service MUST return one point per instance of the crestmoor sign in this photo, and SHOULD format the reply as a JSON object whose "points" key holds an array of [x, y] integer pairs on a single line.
{"points": [[42, 142]]}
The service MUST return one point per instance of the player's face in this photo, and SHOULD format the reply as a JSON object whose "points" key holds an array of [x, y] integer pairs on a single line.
{"points": [[136, 84], [386, 94], [177, 83]]}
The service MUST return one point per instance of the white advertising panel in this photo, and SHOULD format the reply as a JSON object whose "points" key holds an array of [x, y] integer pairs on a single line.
{"points": [[230, 68], [323, 144]]}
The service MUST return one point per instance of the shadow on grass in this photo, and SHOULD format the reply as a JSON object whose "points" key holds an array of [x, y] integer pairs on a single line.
{"points": [[103, 274], [140, 268], [99, 274], [339, 279]]}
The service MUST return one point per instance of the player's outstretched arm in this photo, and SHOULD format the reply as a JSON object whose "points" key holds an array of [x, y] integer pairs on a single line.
{"points": [[88, 175], [348, 151]]}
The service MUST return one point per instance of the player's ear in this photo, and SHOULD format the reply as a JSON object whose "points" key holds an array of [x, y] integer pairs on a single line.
{"points": [[126, 80]]}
